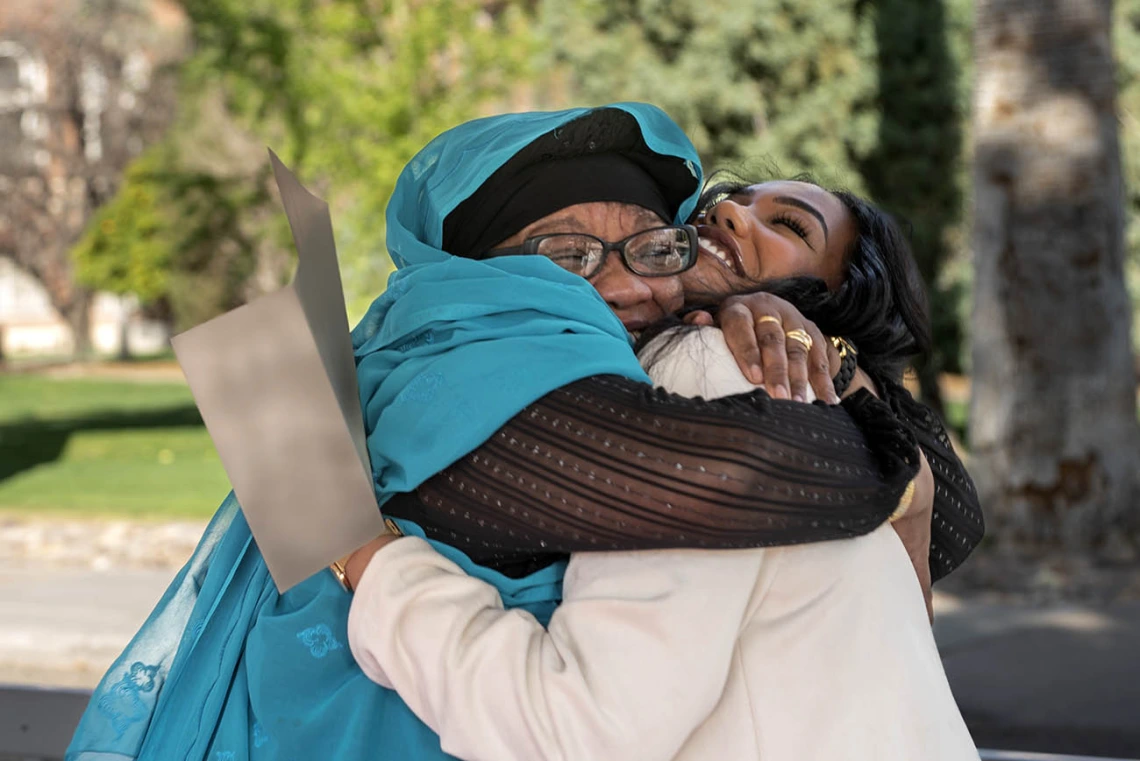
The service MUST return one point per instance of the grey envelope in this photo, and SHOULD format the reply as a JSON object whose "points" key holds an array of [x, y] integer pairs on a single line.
{"points": [[275, 382]]}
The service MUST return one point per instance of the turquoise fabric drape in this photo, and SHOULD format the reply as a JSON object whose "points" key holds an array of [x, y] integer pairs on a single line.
{"points": [[225, 668]]}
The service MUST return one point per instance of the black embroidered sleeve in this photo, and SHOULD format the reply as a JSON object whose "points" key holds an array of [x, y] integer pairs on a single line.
{"points": [[957, 525], [612, 464]]}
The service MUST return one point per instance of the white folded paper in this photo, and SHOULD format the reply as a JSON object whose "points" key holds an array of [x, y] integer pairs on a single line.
{"points": [[275, 382]]}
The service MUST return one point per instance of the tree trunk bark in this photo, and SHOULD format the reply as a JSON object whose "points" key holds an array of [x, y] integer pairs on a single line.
{"points": [[1056, 445], [78, 316], [124, 338]]}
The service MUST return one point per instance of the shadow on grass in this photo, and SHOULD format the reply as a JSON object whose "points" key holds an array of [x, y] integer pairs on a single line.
{"points": [[25, 444]]}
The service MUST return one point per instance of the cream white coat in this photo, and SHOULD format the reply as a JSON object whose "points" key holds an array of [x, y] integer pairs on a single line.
{"points": [[819, 651]]}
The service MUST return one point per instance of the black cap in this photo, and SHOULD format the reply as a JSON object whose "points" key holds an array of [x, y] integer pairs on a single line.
{"points": [[578, 155]]}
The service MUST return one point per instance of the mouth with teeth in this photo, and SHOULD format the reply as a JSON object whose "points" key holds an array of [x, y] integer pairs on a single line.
{"points": [[720, 246]]}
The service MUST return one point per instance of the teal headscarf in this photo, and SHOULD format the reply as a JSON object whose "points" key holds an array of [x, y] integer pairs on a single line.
{"points": [[225, 668]]}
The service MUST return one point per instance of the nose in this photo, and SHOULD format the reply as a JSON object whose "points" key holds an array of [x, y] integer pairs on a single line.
{"points": [[730, 216], [620, 288]]}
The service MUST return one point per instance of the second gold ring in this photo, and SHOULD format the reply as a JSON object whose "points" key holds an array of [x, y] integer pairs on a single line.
{"points": [[801, 335]]}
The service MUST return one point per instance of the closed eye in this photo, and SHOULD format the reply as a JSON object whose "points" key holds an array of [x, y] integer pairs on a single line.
{"points": [[792, 224]]}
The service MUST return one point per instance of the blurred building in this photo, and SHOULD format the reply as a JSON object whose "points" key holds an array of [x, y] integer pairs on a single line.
{"points": [[85, 85], [30, 325]]}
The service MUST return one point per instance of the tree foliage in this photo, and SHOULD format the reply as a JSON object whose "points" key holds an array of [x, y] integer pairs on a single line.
{"points": [[782, 84], [346, 91], [184, 242], [865, 94], [858, 93], [124, 249], [915, 170], [1126, 31]]}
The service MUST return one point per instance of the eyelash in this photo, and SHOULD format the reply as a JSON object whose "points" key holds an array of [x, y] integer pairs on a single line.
{"points": [[792, 224]]}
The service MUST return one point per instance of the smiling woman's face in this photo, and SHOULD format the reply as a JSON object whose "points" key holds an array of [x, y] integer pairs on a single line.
{"points": [[771, 230]]}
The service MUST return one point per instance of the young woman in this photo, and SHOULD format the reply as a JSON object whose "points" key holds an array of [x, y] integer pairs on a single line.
{"points": [[849, 267]]}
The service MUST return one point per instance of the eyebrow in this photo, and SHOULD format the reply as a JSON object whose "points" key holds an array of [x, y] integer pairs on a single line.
{"points": [[561, 224], [790, 201], [570, 223]]}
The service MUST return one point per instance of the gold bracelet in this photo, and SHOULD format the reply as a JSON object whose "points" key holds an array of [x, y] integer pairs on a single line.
{"points": [[339, 567], [904, 501], [340, 572], [843, 346]]}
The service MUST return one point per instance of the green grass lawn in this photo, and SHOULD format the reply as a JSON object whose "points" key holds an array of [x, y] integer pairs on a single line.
{"points": [[105, 447]]}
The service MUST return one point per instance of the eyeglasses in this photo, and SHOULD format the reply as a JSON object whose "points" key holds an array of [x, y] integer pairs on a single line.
{"points": [[657, 252]]}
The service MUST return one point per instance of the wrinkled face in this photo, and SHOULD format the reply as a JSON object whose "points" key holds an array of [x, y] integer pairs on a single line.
{"points": [[638, 301], [771, 230]]}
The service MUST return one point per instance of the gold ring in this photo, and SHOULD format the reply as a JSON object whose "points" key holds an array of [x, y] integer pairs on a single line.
{"points": [[768, 318], [801, 335]]}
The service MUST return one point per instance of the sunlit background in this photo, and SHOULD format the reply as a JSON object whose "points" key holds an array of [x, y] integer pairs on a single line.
{"points": [[136, 200]]}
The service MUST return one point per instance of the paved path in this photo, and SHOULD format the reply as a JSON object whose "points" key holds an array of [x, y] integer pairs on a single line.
{"points": [[1062, 678], [64, 626]]}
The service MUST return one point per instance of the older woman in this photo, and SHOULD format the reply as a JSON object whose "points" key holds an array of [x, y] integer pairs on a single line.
{"points": [[447, 358]]}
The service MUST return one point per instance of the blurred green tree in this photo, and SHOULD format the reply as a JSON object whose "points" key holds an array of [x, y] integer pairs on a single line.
{"points": [[1126, 31], [759, 85], [346, 91], [915, 170], [123, 250], [862, 94], [175, 238]]}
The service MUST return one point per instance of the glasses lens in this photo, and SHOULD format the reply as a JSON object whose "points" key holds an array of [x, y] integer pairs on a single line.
{"points": [[576, 253], [664, 251]]}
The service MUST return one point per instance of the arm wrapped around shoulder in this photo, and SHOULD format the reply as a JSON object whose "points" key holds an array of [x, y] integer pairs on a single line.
{"points": [[606, 463]]}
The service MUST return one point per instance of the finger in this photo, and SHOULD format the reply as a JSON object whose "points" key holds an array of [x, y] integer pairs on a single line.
{"points": [[798, 358], [819, 365], [773, 356], [698, 317], [739, 331]]}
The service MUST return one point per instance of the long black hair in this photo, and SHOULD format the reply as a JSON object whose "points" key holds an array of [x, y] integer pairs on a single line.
{"points": [[881, 307]]}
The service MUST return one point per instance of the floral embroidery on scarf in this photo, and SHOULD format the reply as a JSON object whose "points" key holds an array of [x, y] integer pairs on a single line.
{"points": [[319, 639], [421, 389], [122, 704], [259, 736], [425, 338]]}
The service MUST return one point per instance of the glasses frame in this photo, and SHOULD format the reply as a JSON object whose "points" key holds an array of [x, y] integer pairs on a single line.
{"points": [[530, 246]]}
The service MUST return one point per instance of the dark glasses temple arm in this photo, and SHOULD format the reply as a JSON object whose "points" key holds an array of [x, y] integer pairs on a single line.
{"points": [[510, 251]]}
